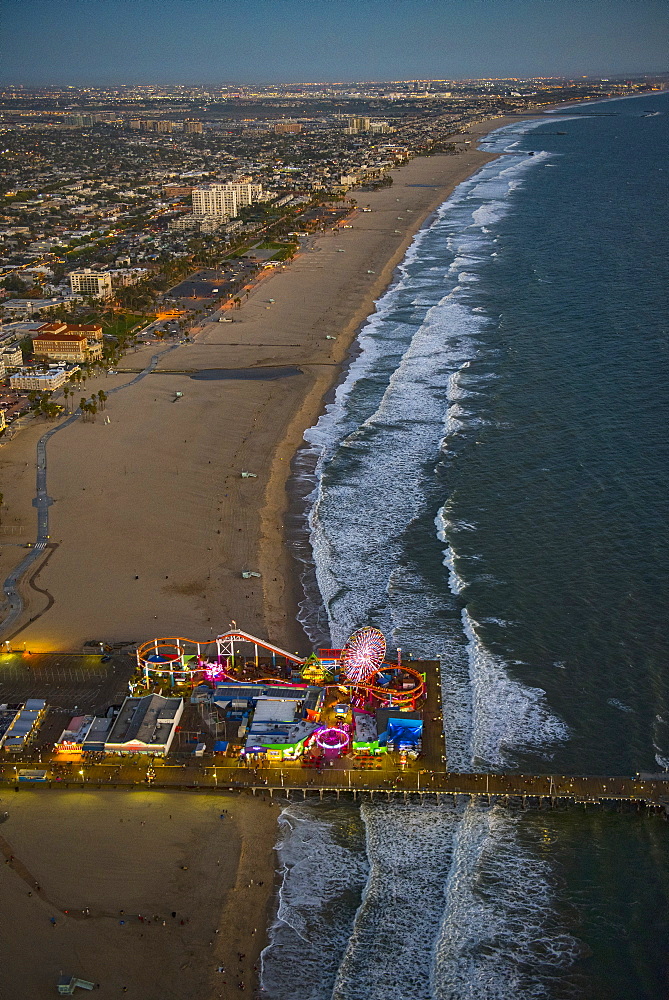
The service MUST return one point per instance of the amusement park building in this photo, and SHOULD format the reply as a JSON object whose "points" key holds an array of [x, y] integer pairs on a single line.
{"points": [[145, 725]]}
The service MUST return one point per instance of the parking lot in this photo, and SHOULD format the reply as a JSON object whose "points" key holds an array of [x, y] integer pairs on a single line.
{"points": [[65, 680]]}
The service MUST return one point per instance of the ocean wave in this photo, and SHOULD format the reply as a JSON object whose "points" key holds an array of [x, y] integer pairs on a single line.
{"points": [[390, 952], [459, 905], [375, 453], [507, 716], [324, 870], [500, 937]]}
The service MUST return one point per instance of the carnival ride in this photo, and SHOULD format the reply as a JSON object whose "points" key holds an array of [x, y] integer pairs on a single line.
{"points": [[332, 740], [363, 654], [186, 661], [364, 675]]}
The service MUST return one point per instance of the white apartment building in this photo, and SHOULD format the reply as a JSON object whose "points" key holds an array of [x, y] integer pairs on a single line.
{"points": [[246, 192], [215, 199], [12, 356], [225, 199], [41, 379], [88, 282]]}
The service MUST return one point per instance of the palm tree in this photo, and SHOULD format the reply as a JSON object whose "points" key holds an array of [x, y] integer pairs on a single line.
{"points": [[102, 396]]}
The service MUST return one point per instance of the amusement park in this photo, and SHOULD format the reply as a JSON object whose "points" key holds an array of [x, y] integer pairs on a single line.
{"points": [[265, 704]]}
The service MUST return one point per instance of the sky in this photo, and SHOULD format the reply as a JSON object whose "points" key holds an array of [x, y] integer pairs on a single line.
{"points": [[102, 42]]}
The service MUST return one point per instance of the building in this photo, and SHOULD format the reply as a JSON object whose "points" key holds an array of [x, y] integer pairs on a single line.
{"points": [[11, 356], [164, 126], [211, 223], [73, 347], [192, 126], [145, 725], [25, 724], [88, 282], [3, 421], [246, 192], [176, 190], [92, 331], [84, 732], [355, 124], [215, 199], [122, 277], [183, 222], [225, 199], [287, 128], [40, 379]]}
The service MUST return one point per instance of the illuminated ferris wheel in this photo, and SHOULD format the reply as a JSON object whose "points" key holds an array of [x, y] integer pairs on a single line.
{"points": [[363, 654]]}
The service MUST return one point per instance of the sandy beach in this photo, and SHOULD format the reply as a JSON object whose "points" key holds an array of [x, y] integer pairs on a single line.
{"points": [[152, 524], [132, 859]]}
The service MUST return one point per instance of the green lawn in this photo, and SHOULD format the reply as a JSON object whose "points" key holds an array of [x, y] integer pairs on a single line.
{"points": [[119, 326]]}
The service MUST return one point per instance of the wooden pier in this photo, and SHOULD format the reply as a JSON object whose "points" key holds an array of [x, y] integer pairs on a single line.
{"points": [[426, 779]]}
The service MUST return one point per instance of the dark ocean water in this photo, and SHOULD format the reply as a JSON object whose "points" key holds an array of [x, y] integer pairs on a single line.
{"points": [[491, 485]]}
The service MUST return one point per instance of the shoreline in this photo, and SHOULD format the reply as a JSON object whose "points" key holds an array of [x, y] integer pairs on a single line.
{"points": [[308, 415], [150, 520]]}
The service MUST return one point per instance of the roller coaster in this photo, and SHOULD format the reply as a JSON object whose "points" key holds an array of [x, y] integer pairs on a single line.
{"points": [[191, 661]]}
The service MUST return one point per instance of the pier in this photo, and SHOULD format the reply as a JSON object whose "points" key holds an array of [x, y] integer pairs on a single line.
{"points": [[381, 778], [518, 790]]}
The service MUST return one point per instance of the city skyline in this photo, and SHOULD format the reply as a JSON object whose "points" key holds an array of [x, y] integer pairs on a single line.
{"points": [[288, 41]]}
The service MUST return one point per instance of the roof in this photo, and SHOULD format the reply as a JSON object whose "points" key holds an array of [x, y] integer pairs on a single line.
{"points": [[145, 720], [275, 709], [35, 704], [67, 337], [278, 734]]}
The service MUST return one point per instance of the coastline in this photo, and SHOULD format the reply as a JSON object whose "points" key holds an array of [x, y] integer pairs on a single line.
{"points": [[292, 595], [151, 521]]}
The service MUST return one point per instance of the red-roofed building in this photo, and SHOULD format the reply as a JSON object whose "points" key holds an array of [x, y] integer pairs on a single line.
{"points": [[73, 347]]}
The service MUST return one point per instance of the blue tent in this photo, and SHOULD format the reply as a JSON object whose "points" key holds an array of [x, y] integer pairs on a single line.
{"points": [[403, 733]]}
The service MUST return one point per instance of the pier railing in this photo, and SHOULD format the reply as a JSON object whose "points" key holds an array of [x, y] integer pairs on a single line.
{"points": [[359, 783]]}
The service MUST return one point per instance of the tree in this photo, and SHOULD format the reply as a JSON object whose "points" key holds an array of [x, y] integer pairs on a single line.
{"points": [[14, 284], [103, 397]]}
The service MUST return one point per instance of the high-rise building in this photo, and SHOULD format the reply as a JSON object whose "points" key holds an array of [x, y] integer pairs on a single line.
{"points": [[246, 191], [287, 128], [224, 199], [88, 282], [191, 125], [356, 123], [214, 199], [164, 126]]}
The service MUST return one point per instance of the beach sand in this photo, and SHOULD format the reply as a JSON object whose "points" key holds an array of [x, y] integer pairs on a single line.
{"points": [[124, 854], [152, 524]]}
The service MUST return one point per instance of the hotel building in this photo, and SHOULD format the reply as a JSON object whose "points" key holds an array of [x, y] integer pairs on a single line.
{"points": [[88, 282]]}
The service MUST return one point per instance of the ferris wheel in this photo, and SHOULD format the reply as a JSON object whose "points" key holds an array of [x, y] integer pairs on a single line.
{"points": [[363, 654]]}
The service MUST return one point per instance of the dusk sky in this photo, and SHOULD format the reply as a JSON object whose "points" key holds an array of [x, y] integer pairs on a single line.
{"points": [[92, 42]]}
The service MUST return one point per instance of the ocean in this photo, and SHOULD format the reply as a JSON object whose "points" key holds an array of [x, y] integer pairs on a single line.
{"points": [[489, 485]]}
